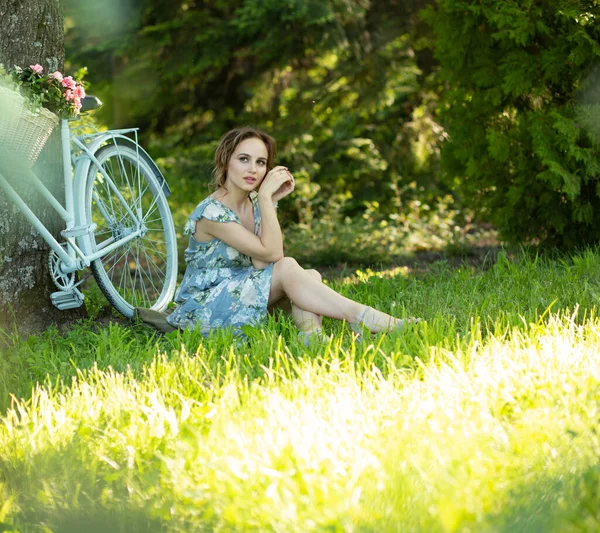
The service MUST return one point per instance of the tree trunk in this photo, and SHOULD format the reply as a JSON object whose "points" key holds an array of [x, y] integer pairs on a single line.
{"points": [[31, 32]]}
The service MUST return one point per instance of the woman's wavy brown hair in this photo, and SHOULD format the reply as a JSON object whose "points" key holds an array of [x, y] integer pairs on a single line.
{"points": [[227, 145]]}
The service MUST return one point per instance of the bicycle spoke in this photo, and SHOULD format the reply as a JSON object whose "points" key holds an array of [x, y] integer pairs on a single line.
{"points": [[161, 274], [124, 172], [156, 267], [139, 179], [110, 172], [155, 249], [120, 257], [150, 209], [138, 293], [104, 208], [156, 291], [137, 201], [135, 292], [141, 272], [117, 179], [102, 179], [153, 220], [119, 260], [109, 258], [159, 241], [126, 274], [148, 299], [117, 215], [99, 201], [141, 195], [122, 273], [121, 278], [133, 170]]}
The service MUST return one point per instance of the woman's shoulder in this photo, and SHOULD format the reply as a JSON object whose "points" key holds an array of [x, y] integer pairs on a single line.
{"points": [[211, 209]]}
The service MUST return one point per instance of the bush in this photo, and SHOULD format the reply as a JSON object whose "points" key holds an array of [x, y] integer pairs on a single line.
{"points": [[376, 238], [511, 74]]}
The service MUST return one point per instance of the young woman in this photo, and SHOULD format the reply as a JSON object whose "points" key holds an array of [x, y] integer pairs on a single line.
{"points": [[236, 268]]}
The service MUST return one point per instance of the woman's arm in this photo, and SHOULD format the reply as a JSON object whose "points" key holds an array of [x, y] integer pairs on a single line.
{"points": [[244, 241], [270, 230], [257, 262]]}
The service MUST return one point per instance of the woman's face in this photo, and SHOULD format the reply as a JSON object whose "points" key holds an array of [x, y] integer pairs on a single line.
{"points": [[248, 164]]}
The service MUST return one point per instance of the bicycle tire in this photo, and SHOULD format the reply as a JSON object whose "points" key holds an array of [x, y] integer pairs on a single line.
{"points": [[146, 266]]}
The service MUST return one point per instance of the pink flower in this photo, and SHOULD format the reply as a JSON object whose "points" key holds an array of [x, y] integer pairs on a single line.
{"points": [[69, 82], [79, 91], [57, 76], [38, 69], [69, 95]]}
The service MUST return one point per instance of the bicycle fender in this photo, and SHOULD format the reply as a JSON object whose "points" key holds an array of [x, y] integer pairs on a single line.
{"points": [[98, 142]]}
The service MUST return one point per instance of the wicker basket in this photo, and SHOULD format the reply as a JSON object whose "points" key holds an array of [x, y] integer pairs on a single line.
{"points": [[22, 133]]}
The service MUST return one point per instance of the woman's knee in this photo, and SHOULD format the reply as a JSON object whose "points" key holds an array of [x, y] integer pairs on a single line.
{"points": [[286, 265], [315, 274]]}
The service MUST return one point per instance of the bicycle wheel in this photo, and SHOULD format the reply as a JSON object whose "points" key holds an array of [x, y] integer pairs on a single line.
{"points": [[143, 271]]}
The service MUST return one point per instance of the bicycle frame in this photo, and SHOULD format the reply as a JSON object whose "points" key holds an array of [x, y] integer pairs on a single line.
{"points": [[75, 170]]}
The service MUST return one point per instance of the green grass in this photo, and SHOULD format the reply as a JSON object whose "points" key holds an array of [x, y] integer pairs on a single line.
{"points": [[484, 418]]}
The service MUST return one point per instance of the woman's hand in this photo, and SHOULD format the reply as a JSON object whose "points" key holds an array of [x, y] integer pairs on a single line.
{"points": [[285, 189], [278, 183]]}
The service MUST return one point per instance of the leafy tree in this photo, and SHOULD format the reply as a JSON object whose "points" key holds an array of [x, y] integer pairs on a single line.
{"points": [[336, 82], [511, 73]]}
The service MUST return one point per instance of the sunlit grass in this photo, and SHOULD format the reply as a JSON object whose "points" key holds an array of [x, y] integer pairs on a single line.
{"points": [[484, 418]]}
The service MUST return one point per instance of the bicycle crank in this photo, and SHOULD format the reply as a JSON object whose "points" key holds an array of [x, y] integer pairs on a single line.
{"points": [[63, 281]]}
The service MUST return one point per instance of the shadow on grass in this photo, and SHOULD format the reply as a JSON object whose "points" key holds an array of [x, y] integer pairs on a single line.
{"points": [[565, 502], [97, 521]]}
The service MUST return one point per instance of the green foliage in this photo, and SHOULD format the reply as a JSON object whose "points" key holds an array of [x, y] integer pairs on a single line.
{"points": [[372, 238], [515, 149], [351, 92], [336, 82]]}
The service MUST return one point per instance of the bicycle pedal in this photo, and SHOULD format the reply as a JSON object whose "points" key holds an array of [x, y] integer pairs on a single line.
{"points": [[70, 299]]}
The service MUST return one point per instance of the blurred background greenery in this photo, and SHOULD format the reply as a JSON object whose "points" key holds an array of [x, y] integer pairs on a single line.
{"points": [[409, 124]]}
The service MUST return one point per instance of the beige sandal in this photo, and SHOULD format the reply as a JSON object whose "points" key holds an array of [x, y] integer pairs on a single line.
{"points": [[360, 326], [316, 335]]}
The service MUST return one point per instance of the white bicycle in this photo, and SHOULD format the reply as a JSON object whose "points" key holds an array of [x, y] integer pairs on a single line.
{"points": [[116, 214]]}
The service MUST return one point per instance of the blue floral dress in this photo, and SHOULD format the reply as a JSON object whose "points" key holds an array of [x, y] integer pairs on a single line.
{"points": [[221, 287]]}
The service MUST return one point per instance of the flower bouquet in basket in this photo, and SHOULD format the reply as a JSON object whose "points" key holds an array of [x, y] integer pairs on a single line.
{"points": [[31, 103]]}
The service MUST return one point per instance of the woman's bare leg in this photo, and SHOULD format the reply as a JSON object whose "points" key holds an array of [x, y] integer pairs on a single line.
{"points": [[305, 320], [309, 294]]}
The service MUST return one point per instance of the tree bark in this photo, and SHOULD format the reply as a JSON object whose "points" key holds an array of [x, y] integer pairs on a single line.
{"points": [[31, 32]]}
